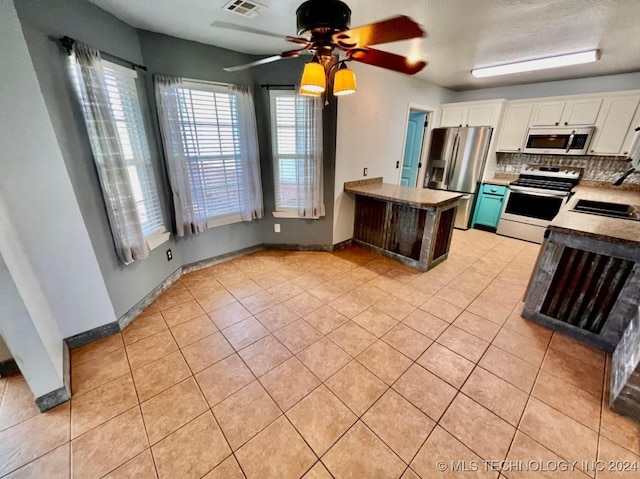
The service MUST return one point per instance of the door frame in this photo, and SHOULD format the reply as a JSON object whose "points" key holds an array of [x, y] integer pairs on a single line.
{"points": [[426, 138]]}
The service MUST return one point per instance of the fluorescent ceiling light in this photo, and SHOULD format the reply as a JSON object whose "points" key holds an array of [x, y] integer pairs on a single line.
{"points": [[539, 64]]}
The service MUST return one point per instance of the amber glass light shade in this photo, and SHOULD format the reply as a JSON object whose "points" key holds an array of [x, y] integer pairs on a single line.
{"points": [[314, 80], [306, 92], [344, 82]]}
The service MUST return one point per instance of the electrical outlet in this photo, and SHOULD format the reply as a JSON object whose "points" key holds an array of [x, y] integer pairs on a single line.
{"points": [[365, 172], [169, 255], [276, 227]]}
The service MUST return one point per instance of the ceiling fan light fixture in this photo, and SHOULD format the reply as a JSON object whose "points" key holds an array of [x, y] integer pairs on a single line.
{"points": [[304, 92], [537, 64], [314, 79], [344, 81]]}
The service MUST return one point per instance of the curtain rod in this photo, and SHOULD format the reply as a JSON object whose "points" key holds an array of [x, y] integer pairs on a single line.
{"points": [[67, 43], [267, 86]]}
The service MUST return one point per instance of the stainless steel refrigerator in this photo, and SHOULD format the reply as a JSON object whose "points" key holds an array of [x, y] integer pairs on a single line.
{"points": [[456, 161]]}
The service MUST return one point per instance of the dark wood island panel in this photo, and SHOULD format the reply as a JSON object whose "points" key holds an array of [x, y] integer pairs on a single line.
{"points": [[411, 225], [586, 283]]}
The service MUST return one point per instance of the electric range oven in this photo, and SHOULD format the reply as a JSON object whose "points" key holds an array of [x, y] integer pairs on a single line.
{"points": [[535, 199]]}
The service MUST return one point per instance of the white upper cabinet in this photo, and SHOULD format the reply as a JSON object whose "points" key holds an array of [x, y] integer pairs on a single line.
{"points": [[547, 113], [581, 112], [471, 114], [483, 115], [631, 135], [514, 127], [453, 115], [614, 127]]}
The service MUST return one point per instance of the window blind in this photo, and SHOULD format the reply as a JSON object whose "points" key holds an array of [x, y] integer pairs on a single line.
{"points": [[125, 105], [208, 118], [291, 130]]}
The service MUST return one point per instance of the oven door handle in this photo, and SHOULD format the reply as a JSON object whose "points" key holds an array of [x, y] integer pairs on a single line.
{"points": [[570, 142], [535, 192]]}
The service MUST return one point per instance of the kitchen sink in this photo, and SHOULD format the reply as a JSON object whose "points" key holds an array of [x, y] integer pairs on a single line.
{"points": [[613, 210]]}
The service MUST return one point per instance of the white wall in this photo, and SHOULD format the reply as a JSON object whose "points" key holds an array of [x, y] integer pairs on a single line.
{"points": [[39, 199], [4, 351], [371, 129], [580, 86]]}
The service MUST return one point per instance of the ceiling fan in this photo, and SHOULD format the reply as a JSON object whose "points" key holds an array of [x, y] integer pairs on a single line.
{"points": [[323, 26]]}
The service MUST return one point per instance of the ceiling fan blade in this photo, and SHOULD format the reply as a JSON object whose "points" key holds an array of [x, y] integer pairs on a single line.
{"points": [[390, 30], [387, 60], [243, 29], [274, 58], [255, 31], [295, 53], [301, 41], [262, 61]]}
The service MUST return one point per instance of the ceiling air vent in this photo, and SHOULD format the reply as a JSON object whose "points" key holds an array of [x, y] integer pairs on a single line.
{"points": [[244, 8]]}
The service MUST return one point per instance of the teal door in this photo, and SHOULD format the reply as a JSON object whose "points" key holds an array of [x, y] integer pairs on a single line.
{"points": [[413, 148]]}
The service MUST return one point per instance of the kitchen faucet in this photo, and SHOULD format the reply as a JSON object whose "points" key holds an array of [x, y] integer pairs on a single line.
{"points": [[633, 158]]}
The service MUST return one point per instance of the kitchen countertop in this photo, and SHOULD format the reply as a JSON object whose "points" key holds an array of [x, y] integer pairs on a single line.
{"points": [[418, 197], [603, 228], [500, 180]]}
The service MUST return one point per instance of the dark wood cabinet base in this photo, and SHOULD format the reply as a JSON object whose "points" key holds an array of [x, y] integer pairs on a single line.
{"points": [[585, 288], [417, 237]]}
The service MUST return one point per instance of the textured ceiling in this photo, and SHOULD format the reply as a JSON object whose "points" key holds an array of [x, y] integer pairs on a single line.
{"points": [[462, 34]]}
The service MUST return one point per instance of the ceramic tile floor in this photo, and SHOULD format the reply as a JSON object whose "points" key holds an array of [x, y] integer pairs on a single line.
{"points": [[317, 365]]}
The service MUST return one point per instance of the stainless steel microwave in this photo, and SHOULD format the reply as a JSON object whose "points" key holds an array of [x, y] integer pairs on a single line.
{"points": [[564, 140]]}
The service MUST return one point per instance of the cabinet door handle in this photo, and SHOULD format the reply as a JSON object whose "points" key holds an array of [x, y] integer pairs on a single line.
{"points": [[566, 122], [556, 123]]}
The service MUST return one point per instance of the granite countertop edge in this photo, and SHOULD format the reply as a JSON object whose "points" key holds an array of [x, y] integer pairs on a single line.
{"points": [[375, 188], [602, 228]]}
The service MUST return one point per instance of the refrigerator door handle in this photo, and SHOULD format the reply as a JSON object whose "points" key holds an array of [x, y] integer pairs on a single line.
{"points": [[453, 160]]}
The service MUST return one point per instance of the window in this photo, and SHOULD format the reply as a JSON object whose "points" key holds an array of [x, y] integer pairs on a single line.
{"points": [[296, 138], [122, 92], [208, 120]]}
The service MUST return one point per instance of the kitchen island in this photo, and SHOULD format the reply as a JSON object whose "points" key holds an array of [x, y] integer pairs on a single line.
{"points": [[411, 225], [587, 278]]}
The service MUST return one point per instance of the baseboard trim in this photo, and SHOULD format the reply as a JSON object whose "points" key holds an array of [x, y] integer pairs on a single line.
{"points": [[92, 335], [313, 247], [342, 244], [53, 399], [66, 365], [115, 327], [206, 263], [8, 367], [144, 303]]}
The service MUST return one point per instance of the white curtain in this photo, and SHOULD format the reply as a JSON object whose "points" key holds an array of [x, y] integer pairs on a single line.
{"points": [[309, 151], [251, 188], [124, 219], [188, 187], [189, 218]]}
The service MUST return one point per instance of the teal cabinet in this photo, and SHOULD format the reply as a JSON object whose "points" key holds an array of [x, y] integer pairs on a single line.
{"points": [[489, 206]]}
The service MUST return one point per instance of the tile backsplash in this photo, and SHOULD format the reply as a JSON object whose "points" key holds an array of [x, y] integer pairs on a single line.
{"points": [[596, 168]]}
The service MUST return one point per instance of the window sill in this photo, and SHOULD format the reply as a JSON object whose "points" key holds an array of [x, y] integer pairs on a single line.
{"points": [[224, 220], [158, 238], [293, 214]]}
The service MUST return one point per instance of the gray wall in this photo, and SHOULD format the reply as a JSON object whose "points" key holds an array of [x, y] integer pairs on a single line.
{"points": [[172, 56], [293, 230], [5, 354], [624, 81], [41, 368], [35, 188], [43, 21]]}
